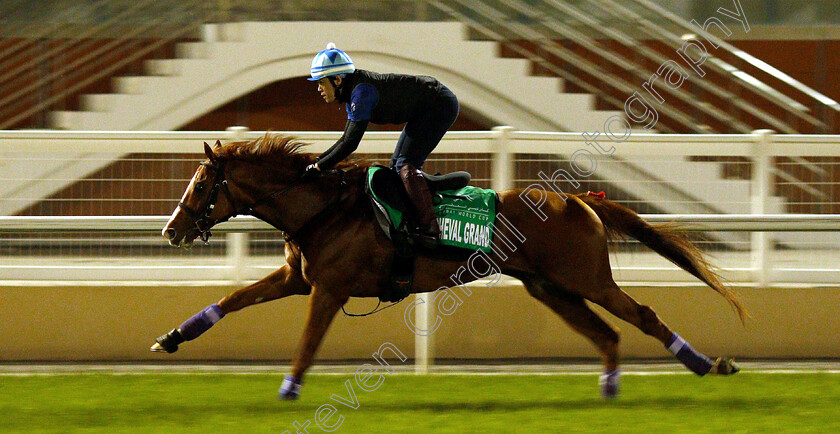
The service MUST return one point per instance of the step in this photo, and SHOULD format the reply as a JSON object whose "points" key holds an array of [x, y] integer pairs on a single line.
{"points": [[141, 85], [591, 121], [160, 67], [728, 196], [687, 175], [542, 93], [102, 102], [174, 67], [776, 205], [63, 119], [236, 32], [227, 32], [131, 84], [193, 50], [80, 120]]}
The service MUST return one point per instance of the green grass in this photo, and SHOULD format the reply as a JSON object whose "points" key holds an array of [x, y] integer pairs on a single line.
{"points": [[212, 403]]}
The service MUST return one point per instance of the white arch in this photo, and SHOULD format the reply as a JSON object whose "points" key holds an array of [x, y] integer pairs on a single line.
{"points": [[472, 94], [217, 72]]}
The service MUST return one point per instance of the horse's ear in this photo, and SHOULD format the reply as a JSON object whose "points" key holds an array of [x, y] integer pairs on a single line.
{"points": [[209, 153], [218, 143]]}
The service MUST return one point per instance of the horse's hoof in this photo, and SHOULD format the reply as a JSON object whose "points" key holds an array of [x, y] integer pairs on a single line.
{"points": [[609, 383], [168, 342], [290, 389], [724, 366]]}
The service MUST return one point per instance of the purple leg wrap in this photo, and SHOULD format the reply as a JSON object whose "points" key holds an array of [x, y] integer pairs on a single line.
{"points": [[201, 322], [609, 382], [290, 389], [696, 362]]}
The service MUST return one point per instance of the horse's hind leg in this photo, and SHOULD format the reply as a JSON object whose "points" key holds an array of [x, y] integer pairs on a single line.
{"points": [[283, 282], [573, 309], [622, 305]]}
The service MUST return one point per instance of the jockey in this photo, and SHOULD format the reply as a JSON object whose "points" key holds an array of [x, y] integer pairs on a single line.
{"points": [[427, 107]]}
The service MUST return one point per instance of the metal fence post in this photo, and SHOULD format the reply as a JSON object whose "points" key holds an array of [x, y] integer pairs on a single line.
{"points": [[237, 242], [503, 169], [760, 191], [237, 133], [237, 252], [424, 345]]}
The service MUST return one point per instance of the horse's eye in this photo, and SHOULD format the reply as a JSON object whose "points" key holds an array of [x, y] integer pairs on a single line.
{"points": [[199, 188]]}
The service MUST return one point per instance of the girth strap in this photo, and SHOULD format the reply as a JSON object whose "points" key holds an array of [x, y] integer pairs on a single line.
{"points": [[402, 269]]}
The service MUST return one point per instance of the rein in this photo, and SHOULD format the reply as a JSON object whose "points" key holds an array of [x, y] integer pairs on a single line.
{"points": [[375, 309], [287, 235], [203, 223], [329, 206]]}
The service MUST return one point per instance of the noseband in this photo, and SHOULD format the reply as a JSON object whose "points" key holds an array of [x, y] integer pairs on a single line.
{"points": [[202, 218]]}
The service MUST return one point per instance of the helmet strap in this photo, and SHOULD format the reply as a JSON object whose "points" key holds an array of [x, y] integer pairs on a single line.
{"points": [[337, 87]]}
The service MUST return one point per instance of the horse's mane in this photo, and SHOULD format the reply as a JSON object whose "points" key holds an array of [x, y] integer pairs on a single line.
{"points": [[270, 148], [274, 149]]}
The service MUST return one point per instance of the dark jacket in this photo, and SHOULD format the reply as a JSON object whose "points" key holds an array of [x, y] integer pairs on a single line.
{"points": [[380, 99]]}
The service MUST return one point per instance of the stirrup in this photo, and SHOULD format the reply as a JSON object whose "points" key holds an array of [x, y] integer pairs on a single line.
{"points": [[425, 239]]}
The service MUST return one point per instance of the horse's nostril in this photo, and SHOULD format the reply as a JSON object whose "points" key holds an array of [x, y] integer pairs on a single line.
{"points": [[170, 233]]}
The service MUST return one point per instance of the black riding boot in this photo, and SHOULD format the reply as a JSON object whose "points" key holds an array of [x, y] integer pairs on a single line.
{"points": [[421, 200]]}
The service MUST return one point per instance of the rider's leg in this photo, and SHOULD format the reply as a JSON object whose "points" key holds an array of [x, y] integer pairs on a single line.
{"points": [[418, 139], [423, 133], [421, 201]]}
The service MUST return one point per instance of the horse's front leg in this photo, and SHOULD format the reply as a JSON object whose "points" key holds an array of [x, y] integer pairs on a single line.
{"points": [[282, 283], [322, 309]]}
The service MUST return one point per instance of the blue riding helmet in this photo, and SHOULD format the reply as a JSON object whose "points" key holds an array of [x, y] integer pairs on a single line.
{"points": [[330, 62]]}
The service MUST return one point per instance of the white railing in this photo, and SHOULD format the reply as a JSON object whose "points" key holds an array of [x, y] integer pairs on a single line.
{"points": [[502, 144], [238, 266]]}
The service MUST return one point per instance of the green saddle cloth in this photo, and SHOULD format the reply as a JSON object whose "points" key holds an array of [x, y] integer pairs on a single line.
{"points": [[466, 216]]}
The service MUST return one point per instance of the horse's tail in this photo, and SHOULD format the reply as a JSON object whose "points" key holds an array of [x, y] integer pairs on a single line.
{"points": [[662, 239]]}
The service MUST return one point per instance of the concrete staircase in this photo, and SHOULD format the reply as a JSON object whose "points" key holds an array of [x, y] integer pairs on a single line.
{"points": [[705, 182]]}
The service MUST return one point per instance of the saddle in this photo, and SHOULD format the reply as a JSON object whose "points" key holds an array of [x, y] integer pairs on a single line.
{"points": [[450, 192], [388, 196]]}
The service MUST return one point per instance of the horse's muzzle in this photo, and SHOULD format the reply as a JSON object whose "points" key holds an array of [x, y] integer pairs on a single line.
{"points": [[171, 235], [186, 240]]}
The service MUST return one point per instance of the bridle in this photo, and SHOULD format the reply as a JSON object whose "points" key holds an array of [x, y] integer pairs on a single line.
{"points": [[203, 222]]}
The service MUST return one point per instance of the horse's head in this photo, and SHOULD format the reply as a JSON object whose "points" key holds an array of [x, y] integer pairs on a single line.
{"points": [[257, 177], [207, 201]]}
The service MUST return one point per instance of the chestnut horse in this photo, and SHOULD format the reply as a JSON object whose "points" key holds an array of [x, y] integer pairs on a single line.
{"points": [[335, 250]]}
